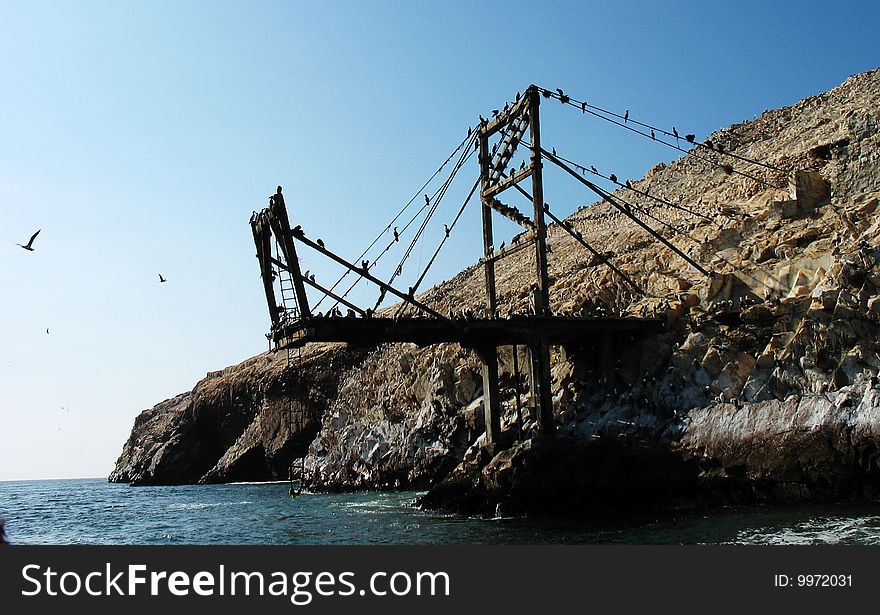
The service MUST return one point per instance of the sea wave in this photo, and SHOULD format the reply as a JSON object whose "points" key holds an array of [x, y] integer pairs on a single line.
{"points": [[202, 505]]}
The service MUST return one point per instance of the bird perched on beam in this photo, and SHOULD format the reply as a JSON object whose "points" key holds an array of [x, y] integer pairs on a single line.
{"points": [[675, 133], [690, 138], [29, 246], [613, 178], [320, 242], [626, 116], [396, 234]]}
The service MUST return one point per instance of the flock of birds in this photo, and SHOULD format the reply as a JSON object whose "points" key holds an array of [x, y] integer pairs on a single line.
{"points": [[29, 246]]}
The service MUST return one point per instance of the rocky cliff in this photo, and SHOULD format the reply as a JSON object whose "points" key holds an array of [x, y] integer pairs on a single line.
{"points": [[763, 385]]}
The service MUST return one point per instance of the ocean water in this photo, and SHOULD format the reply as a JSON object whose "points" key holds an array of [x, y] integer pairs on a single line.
{"points": [[93, 511]]}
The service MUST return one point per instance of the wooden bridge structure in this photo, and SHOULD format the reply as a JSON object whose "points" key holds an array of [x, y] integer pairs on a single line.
{"points": [[294, 324]]}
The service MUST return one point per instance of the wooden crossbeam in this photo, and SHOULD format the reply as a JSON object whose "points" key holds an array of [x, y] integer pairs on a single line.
{"points": [[506, 153], [604, 259], [523, 242], [495, 124], [501, 186], [320, 288], [364, 274], [511, 213], [625, 210]]}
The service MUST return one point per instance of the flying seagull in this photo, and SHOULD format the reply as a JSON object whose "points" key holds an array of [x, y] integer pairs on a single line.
{"points": [[30, 242], [161, 279]]}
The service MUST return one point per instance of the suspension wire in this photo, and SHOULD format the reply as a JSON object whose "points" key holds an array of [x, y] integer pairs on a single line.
{"points": [[433, 208], [471, 136], [415, 216], [626, 209], [636, 190], [585, 108], [446, 235], [638, 207]]}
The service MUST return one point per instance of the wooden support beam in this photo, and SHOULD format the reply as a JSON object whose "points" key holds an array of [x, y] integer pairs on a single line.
{"points": [[626, 211], [281, 226], [326, 291], [263, 241], [511, 213], [488, 248], [504, 184], [511, 249], [604, 259], [539, 353], [491, 395], [543, 280], [511, 142], [386, 287], [495, 124]]}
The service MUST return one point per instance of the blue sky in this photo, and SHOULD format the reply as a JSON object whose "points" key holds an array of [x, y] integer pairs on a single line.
{"points": [[140, 136]]}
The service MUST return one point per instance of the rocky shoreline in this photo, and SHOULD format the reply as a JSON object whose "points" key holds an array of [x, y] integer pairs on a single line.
{"points": [[762, 388]]}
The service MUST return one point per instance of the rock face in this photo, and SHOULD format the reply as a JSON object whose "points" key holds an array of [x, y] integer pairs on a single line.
{"points": [[237, 424], [762, 387]]}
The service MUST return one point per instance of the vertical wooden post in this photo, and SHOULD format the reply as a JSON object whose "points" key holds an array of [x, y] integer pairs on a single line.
{"points": [[488, 239], [491, 396], [281, 226], [539, 352], [516, 391], [263, 243], [539, 349], [543, 303]]}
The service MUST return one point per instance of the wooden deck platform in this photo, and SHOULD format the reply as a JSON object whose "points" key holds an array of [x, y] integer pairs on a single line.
{"points": [[470, 333]]}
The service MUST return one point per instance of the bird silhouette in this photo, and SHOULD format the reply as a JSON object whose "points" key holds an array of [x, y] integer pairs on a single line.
{"points": [[47, 331], [320, 242], [446, 229], [162, 279], [427, 200], [396, 234], [501, 247], [690, 138], [554, 150], [593, 169], [494, 112], [583, 107], [29, 246], [653, 136], [675, 133], [613, 178], [626, 116], [482, 120], [469, 130]]}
